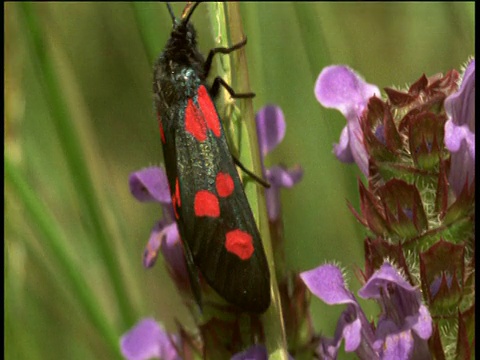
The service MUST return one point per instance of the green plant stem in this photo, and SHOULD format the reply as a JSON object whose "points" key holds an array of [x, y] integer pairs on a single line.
{"points": [[228, 30]]}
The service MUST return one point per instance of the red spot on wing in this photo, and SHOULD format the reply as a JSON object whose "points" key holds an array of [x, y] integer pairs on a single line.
{"points": [[160, 126], [176, 200], [177, 193], [195, 122], [206, 204], [240, 243], [174, 204], [224, 184], [208, 110]]}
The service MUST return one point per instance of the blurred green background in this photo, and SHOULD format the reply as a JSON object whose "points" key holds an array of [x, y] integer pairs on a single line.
{"points": [[74, 236]]}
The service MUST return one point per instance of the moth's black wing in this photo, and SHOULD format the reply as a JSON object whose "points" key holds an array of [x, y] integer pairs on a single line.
{"points": [[195, 162]]}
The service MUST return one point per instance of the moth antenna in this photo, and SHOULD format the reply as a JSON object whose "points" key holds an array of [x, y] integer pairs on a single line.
{"points": [[170, 10], [186, 18]]}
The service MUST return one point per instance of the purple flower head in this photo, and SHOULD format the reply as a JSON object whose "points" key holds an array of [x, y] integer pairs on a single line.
{"points": [[327, 283], [405, 323], [401, 330], [460, 131], [401, 301], [151, 184], [147, 340], [341, 88], [271, 129]]}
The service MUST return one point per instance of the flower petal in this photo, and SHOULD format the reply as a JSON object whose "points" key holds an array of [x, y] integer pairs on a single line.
{"points": [[326, 282], [164, 236], [342, 150], [281, 177], [402, 311], [352, 333], [150, 184], [341, 88], [460, 106], [143, 341], [421, 323], [460, 131], [456, 134], [173, 253], [393, 343], [151, 251], [387, 274], [271, 128], [357, 148], [398, 346], [462, 169]]}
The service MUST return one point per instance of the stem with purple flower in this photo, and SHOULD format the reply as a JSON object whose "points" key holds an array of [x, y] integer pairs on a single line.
{"points": [[416, 149]]}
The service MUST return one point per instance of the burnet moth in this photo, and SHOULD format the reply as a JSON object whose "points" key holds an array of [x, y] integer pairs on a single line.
{"points": [[216, 224]]}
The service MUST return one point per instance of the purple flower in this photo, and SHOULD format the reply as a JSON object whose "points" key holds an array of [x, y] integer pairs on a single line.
{"points": [[326, 282], [147, 340], [151, 184], [341, 88], [402, 329], [271, 129], [405, 323], [460, 131]]}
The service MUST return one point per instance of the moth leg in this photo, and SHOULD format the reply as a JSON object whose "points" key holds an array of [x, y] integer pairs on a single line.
{"points": [[214, 92], [216, 86], [221, 50], [258, 179]]}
